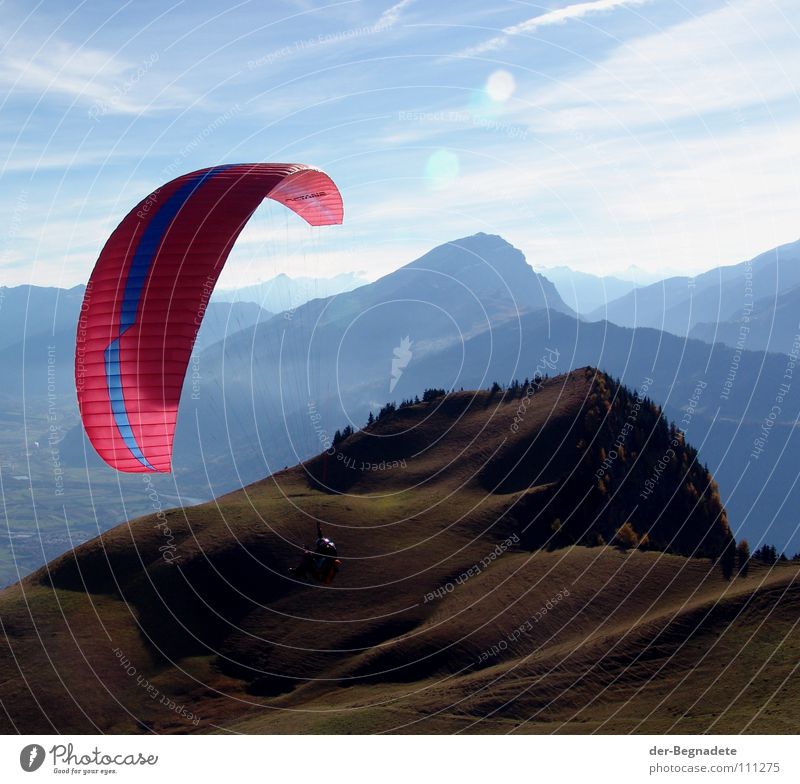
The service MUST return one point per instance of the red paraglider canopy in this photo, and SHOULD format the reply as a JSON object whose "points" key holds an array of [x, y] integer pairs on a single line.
{"points": [[149, 290]]}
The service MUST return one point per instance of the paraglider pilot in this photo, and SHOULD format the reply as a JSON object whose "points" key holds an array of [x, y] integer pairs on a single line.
{"points": [[320, 563]]}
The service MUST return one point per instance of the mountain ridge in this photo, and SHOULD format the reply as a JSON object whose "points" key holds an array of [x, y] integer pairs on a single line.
{"points": [[676, 304]]}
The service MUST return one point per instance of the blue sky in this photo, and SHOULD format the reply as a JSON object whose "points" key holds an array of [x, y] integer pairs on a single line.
{"points": [[596, 134]]}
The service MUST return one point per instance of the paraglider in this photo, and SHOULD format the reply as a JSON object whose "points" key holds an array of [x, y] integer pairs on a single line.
{"points": [[321, 563], [147, 294]]}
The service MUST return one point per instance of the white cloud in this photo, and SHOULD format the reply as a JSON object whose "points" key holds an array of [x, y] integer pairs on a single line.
{"points": [[554, 17], [25, 160], [89, 76], [739, 56]]}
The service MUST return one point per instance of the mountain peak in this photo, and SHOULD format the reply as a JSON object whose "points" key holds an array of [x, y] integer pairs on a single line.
{"points": [[487, 264], [573, 419], [482, 247]]}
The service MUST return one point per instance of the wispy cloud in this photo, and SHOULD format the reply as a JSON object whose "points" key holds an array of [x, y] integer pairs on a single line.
{"points": [[557, 16], [716, 62], [391, 16], [84, 74], [31, 161]]}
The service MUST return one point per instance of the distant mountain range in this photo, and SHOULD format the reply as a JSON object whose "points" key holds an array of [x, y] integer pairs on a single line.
{"points": [[679, 304], [771, 323], [26, 311], [284, 293], [585, 292]]}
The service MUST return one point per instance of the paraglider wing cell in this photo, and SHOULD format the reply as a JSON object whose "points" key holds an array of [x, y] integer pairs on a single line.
{"points": [[145, 300]]}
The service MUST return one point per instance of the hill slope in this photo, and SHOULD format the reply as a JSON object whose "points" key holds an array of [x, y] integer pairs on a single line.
{"points": [[443, 617]]}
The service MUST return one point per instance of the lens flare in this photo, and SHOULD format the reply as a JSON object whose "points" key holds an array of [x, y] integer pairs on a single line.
{"points": [[500, 86], [441, 169]]}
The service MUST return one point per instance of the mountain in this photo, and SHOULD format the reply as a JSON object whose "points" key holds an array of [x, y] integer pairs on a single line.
{"points": [[479, 280], [265, 412], [768, 324], [642, 277], [678, 304], [557, 456], [224, 319], [33, 310], [284, 293], [288, 383], [584, 292], [725, 401], [459, 606]]}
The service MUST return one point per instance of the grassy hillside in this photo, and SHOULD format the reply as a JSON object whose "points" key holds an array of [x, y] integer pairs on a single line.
{"points": [[468, 598]]}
